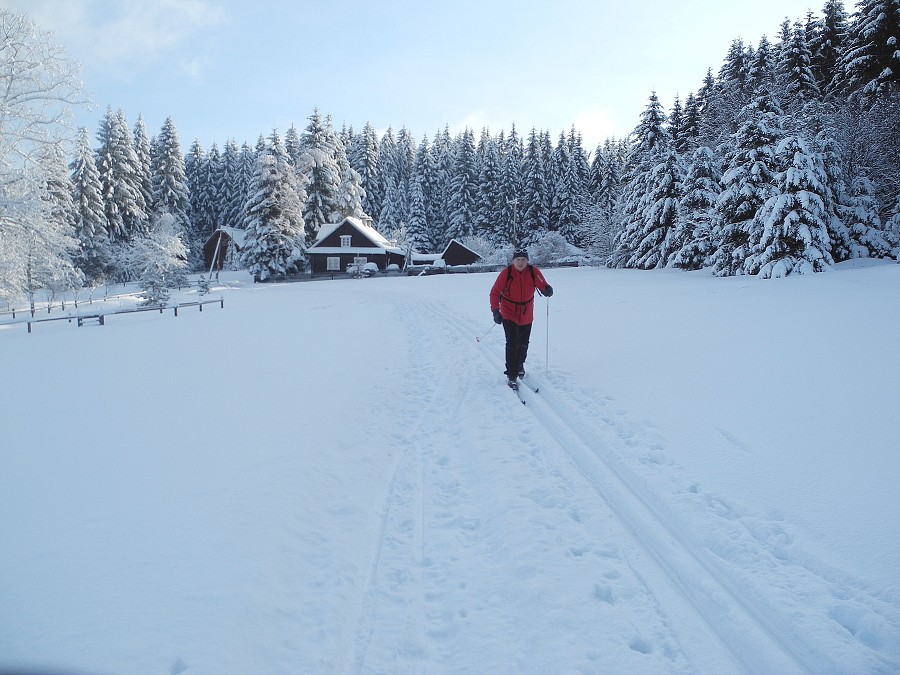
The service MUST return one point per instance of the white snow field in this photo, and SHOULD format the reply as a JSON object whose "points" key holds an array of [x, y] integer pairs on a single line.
{"points": [[332, 477]]}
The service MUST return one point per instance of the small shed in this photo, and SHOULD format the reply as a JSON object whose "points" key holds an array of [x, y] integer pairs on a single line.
{"points": [[222, 247], [457, 253], [352, 240]]}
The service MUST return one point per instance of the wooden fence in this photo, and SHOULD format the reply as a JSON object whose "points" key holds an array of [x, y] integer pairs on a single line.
{"points": [[100, 317]]}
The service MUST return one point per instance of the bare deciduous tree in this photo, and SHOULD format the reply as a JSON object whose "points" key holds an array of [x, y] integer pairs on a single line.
{"points": [[39, 85]]}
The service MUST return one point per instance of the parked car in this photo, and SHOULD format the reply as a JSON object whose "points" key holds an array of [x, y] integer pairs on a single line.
{"points": [[365, 270]]}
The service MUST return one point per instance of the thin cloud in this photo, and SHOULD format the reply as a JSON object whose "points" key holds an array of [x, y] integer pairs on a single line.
{"points": [[123, 36]]}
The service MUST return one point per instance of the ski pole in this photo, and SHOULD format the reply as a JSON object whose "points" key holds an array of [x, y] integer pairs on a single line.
{"points": [[547, 340], [479, 339]]}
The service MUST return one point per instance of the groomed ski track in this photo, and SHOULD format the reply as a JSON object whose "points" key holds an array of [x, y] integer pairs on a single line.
{"points": [[715, 626], [744, 631]]}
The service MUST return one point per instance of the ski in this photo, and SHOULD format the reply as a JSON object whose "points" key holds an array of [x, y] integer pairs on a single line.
{"points": [[515, 387], [528, 384]]}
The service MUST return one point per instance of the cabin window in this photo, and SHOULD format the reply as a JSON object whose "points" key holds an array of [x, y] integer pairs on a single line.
{"points": [[345, 240], [333, 264]]}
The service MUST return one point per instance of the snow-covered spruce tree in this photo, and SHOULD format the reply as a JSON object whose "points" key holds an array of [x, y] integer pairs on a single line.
{"points": [[860, 214], [201, 172], [762, 67], [234, 193], [275, 242], [403, 163], [724, 97], [511, 184], [292, 145], [463, 187], [654, 242], [246, 171], [438, 210], [547, 149], [598, 231], [363, 158], [488, 197], [557, 170], [789, 234], [197, 176], [422, 185], [690, 125], [120, 179], [169, 180], [651, 141], [708, 133], [892, 230], [580, 160], [828, 43], [215, 192], [571, 194], [693, 237], [391, 216], [144, 163], [747, 181], [796, 81], [869, 67], [605, 183], [417, 227], [350, 195], [534, 211], [395, 205], [90, 218], [572, 197], [676, 126], [816, 120], [321, 174]]}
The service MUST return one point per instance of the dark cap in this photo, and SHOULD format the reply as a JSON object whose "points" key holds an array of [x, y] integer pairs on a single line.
{"points": [[520, 253]]}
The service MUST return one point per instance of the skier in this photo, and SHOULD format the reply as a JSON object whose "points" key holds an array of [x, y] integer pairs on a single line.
{"points": [[512, 304]]}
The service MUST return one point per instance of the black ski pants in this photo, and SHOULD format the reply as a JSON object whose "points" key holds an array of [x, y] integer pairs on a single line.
{"points": [[517, 338]]}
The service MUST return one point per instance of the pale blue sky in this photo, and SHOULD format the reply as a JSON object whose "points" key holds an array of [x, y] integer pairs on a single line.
{"points": [[229, 69]]}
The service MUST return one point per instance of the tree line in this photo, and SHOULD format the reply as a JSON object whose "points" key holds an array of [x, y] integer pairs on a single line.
{"points": [[786, 160]]}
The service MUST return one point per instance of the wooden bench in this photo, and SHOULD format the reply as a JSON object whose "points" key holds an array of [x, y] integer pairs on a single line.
{"points": [[90, 317]]}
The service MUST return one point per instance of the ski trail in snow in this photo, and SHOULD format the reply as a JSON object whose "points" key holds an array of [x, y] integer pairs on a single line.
{"points": [[358, 619], [452, 513], [752, 637], [741, 547], [708, 662], [399, 561]]}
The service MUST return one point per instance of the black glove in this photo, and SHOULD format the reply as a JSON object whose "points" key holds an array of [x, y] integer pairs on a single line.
{"points": [[497, 317], [548, 291]]}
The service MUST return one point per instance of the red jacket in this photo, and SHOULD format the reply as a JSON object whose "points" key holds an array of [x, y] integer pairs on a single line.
{"points": [[513, 293]]}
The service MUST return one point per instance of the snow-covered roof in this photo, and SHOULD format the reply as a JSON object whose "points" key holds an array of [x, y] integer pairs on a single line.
{"points": [[334, 250], [458, 243], [238, 236], [369, 232]]}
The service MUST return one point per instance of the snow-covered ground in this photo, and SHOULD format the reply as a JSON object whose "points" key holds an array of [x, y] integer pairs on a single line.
{"points": [[331, 477]]}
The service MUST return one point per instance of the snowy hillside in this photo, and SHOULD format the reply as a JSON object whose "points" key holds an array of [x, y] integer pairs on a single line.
{"points": [[331, 477]]}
